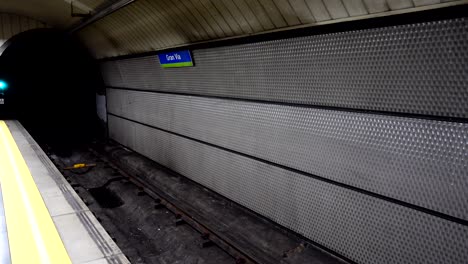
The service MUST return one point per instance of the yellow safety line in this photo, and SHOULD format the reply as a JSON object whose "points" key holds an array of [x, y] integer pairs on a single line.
{"points": [[32, 235]]}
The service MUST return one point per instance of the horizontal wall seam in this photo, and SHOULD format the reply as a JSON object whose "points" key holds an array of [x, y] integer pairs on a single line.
{"points": [[336, 183], [283, 228], [324, 107]]}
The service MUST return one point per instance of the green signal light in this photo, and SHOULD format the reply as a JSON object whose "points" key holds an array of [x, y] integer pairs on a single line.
{"points": [[3, 85]]}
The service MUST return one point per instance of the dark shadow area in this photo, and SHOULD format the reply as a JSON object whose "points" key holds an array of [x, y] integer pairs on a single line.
{"points": [[105, 197], [51, 88]]}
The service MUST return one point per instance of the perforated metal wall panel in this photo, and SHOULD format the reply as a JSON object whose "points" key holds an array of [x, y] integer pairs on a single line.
{"points": [[361, 227], [403, 158], [417, 69], [385, 186]]}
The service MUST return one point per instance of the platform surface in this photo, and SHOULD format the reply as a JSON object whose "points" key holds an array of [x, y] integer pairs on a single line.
{"points": [[42, 219]]}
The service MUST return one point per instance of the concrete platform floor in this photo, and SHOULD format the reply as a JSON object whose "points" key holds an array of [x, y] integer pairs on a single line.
{"points": [[83, 237]]}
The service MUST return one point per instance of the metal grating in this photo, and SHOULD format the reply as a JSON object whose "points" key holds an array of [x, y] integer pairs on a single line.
{"points": [[416, 69], [413, 156], [360, 227]]}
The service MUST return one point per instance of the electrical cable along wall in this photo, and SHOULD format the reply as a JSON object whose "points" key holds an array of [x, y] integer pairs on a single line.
{"points": [[357, 140]]}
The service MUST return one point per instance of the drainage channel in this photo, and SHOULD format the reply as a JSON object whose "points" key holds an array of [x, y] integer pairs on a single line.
{"points": [[146, 227]]}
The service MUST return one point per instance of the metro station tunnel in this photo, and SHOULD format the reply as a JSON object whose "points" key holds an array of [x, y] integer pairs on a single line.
{"points": [[233, 131]]}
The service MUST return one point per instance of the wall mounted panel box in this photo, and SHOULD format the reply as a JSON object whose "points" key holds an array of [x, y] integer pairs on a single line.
{"points": [[176, 59]]}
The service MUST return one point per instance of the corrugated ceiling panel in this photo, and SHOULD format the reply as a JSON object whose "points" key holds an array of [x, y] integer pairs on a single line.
{"points": [[55, 13], [177, 23], [355, 7], [94, 4], [302, 11], [318, 10], [273, 13], [399, 4], [228, 18], [287, 12], [13, 24], [336, 9], [148, 25], [425, 2], [261, 14], [215, 17], [247, 13]]}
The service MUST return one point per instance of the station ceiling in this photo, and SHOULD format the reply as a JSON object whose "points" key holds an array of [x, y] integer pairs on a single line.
{"points": [[56, 13], [149, 25]]}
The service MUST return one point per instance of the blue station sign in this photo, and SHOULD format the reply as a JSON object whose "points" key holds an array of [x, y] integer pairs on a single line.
{"points": [[175, 59]]}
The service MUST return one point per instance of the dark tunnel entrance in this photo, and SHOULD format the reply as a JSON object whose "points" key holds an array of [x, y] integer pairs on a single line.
{"points": [[52, 82]]}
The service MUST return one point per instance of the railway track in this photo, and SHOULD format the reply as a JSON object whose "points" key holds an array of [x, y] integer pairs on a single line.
{"points": [[156, 216]]}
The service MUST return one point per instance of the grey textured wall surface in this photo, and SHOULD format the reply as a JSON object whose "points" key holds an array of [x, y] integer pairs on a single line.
{"points": [[360, 227], [419, 68], [381, 177], [343, 146]]}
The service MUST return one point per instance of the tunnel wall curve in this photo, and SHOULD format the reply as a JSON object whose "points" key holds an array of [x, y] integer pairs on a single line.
{"points": [[12, 25]]}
